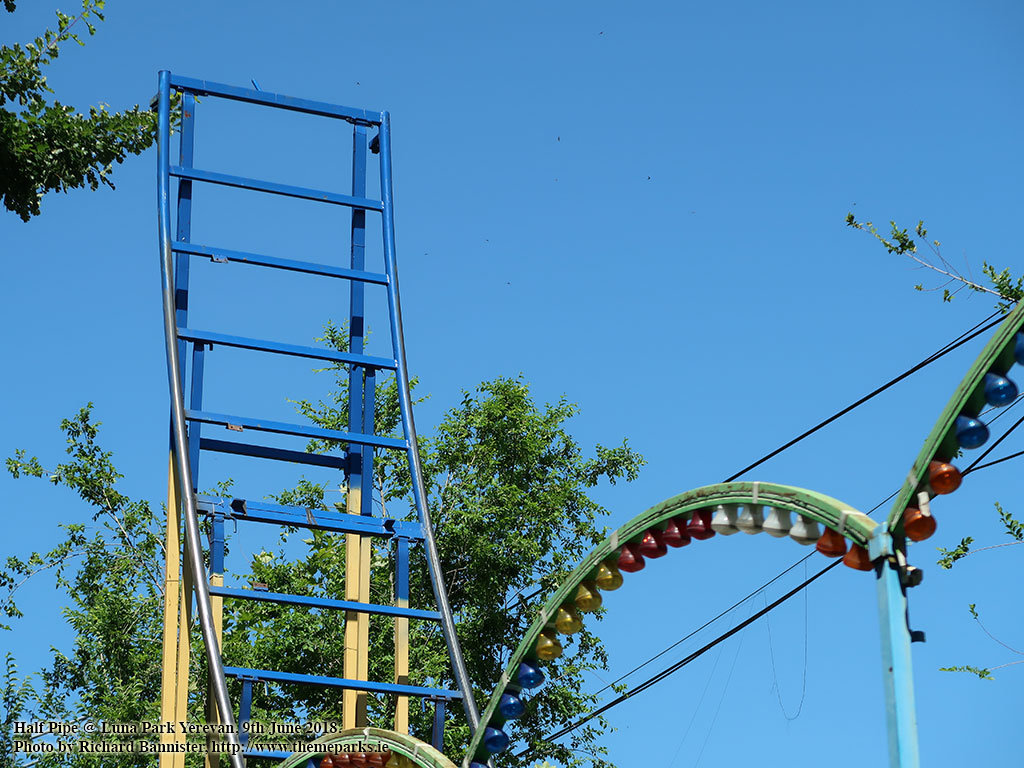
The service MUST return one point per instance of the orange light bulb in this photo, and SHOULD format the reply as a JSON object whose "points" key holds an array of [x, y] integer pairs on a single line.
{"points": [[831, 544], [918, 525], [858, 559], [943, 477]]}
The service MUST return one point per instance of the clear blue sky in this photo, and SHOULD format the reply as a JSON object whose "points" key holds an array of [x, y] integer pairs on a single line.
{"points": [[640, 208]]}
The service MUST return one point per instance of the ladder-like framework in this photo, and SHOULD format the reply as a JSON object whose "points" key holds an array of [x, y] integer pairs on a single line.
{"points": [[187, 350]]}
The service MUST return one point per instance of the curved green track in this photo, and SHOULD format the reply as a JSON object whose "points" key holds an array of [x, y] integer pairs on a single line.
{"points": [[968, 398], [832, 513], [417, 752]]}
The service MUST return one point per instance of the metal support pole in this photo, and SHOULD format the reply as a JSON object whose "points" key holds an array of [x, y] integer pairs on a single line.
{"points": [[897, 673]]}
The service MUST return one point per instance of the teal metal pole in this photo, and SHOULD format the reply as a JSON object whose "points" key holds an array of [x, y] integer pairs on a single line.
{"points": [[897, 672]]}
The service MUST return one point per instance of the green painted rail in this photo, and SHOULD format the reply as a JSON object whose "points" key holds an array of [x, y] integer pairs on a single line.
{"points": [[968, 398], [417, 752], [832, 513]]}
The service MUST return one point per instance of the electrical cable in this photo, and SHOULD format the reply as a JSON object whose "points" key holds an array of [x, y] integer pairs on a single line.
{"points": [[964, 337], [657, 678], [959, 341]]}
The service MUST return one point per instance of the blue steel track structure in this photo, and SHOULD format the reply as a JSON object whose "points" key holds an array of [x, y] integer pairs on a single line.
{"points": [[194, 433]]}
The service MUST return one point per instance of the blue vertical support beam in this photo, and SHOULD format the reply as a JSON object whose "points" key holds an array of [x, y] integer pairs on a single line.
{"points": [[437, 734], [186, 158], [897, 670], [405, 405], [357, 548], [217, 544], [245, 711], [196, 404]]}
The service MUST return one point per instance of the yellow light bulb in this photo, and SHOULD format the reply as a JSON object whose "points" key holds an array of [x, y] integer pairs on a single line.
{"points": [[567, 621], [608, 577], [587, 598], [548, 647]]}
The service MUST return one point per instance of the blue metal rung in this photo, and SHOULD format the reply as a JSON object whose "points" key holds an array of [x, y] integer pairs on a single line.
{"points": [[302, 517], [209, 88], [267, 753], [298, 430], [295, 350], [323, 602], [260, 260], [305, 193], [269, 676], [275, 454]]}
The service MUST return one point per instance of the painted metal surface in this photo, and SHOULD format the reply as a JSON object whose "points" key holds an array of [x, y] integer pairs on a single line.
{"points": [[830, 512], [997, 356], [897, 669], [421, 754], [225, 255], [189, 418], [174, 374]]}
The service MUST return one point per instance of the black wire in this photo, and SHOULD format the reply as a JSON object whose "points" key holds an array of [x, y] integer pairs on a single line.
{"points": [[987, 451], [964, 337], [959, 341], [726, 635], [683, 662]]}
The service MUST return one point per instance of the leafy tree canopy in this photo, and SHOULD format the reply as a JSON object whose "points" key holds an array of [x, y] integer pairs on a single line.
{"points": [[509, 493], [46, 145]]}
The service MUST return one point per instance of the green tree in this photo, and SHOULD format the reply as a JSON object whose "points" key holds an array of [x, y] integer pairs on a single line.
{"points": [[47, 146], [509, 494]]}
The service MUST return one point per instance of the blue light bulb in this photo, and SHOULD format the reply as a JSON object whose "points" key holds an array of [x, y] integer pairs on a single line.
{"points": [[475, 764], [511, 706], [495, 740], [999, 390], [1018, 351], [529, 676], [970, 433]]}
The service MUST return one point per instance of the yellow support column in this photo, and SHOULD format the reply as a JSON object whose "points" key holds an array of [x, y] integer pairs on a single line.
{"points": [[174, 677], [402, 633], [212, 713], [357, 631]]}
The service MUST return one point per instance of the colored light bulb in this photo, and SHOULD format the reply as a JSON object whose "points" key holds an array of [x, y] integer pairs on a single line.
{"points": [[511, 706], [918, 526], [970, 432], [831, 544], [587, 599], [528, 675], [699, 526], [675, 533], [651, 544], [858, 558], [567, 621], [752, 519], [375, 759], [630, 559], [396, 761], [548, 647], [608, 577], [777, 523], [327, 762], [475, 764], [943, 477], [999, 390], [495, 740], [804, 531], [724, 520]]}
